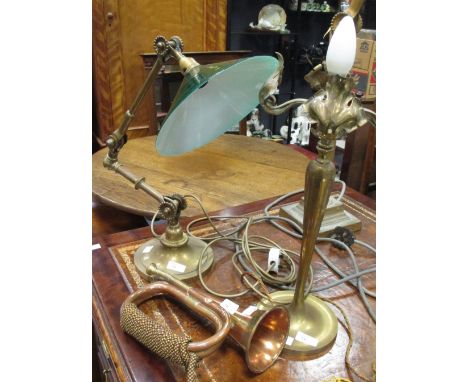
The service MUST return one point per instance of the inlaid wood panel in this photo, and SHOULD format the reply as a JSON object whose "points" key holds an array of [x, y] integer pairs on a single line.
{"points": [[123, 29]]}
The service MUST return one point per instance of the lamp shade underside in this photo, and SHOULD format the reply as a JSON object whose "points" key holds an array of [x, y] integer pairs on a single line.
{"points": [[211, 100]]}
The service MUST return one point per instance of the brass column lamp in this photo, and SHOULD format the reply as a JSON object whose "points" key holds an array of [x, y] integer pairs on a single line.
{"points": [[337, 112]]}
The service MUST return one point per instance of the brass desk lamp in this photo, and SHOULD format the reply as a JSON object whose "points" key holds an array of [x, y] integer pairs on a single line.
{"points": [[210, 100], [338, 112]]}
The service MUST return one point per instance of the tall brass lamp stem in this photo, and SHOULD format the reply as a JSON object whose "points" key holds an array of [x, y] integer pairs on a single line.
{"points": [[336, 112], [319, 178]]}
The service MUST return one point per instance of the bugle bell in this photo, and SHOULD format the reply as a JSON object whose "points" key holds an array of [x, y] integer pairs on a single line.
{"points": [[262, 335]]}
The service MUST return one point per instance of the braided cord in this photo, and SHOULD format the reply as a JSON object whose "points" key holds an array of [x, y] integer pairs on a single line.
{"points": [[159, 338], [347, 327]]}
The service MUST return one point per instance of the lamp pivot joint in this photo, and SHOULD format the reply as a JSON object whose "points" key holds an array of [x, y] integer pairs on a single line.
{"points": [[162, 46], [171, 208], [114, 143]]}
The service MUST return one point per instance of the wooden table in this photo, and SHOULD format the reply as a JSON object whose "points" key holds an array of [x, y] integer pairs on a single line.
{"points": [[232, 170], [124, 359]]}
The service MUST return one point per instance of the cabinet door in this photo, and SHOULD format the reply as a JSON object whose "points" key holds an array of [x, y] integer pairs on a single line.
{"points": [[123, 29]]}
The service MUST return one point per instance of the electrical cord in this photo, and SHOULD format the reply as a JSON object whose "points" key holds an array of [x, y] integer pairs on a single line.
{"points": [[363, 292], [342, 192], [343, 276], [347, 326], [244, 246], [152, 225], [246, 266], [251, 268]]}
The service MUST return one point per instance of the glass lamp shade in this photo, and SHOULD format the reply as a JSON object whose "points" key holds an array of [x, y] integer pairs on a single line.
{"points": [[342, 49], [212, 99]]}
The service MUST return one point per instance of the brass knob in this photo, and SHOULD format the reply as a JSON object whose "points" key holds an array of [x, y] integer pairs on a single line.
{"points": [[110, 17]]}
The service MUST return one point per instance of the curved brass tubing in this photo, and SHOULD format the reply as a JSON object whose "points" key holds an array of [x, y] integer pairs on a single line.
{"points": [[270, 106], [219, 317], [262, 335]]}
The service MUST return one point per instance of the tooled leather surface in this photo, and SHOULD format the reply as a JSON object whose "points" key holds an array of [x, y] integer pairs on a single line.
{"points": [[227, 364]]}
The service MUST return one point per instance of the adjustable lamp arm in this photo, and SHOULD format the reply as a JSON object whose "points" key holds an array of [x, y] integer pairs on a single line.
{"points": [[118, 138]]}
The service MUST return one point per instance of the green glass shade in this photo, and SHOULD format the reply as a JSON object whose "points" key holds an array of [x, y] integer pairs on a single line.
{"points": [[212, 99]]}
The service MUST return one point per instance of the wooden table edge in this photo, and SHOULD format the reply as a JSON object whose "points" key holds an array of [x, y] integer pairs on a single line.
{"points": [[140, 233]]}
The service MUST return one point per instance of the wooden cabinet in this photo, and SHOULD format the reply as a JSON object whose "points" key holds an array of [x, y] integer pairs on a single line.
{"points": [[358, 165], [123, 30]]}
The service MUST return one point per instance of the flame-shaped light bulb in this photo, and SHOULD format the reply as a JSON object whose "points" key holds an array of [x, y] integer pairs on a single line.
{"points": [[342, 49]]}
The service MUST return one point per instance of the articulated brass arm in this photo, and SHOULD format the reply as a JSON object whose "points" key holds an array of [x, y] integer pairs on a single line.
{"points": [[118, 138], [164, 49]]}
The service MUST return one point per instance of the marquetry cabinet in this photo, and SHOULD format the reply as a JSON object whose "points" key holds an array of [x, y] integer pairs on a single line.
{"points": [[122, 31]]}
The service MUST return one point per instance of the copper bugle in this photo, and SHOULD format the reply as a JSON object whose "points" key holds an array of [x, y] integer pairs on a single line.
{"points": [[262, 335]]}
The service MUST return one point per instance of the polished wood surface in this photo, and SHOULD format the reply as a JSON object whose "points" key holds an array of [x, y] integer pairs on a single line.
{"points": [[230, 171], [122, 30], [128, 360]]}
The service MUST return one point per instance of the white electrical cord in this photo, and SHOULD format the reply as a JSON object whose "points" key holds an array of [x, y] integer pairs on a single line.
{"points": [[244, 245], [152, 225]]}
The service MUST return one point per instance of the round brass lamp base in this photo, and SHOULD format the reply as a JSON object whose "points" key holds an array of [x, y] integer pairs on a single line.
{"points": [[181, 261], [313, 326]]}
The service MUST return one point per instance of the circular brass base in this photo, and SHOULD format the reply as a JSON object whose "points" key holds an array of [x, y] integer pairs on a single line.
{"points": [[181, 262], [313, 327]]}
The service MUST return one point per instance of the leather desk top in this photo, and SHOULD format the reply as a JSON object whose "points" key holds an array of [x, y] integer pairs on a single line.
{"points": [[113, 281]]}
